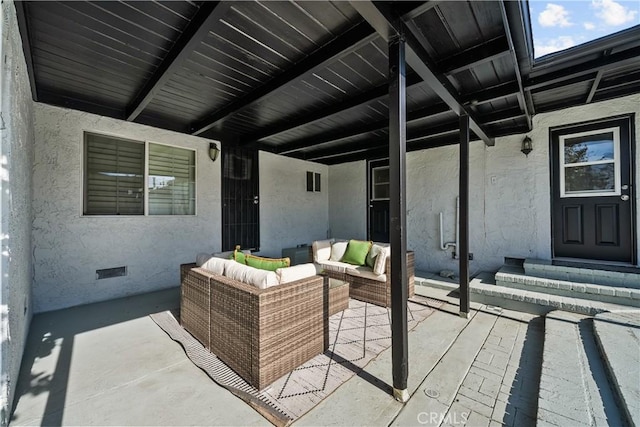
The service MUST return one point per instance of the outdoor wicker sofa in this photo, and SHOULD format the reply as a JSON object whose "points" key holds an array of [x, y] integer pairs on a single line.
{"points": [[262, 334], [364, 285]]}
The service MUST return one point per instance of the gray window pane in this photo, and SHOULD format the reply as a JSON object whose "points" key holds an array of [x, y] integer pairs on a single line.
{"points": [[171, 180], [590, 178], [114, 176], [589, 148]]}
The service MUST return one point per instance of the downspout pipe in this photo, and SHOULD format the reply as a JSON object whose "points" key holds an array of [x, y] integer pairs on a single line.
{"points": [[446, 245]]}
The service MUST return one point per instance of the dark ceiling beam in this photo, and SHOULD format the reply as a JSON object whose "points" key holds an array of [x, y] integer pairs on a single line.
{"points": [[377, 93], [356, 154], [501, 116], [492, 93], [381, 125], [413, 136], [419, 10], [23, 27], [522, 99], [381, 17], [350, 41], [617, 92], [604, 63], [623, 80], [594, 86], [480, 54], [195, 32], [378, 153]]}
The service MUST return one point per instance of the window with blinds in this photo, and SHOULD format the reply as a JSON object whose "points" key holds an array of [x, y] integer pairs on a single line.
{"points": [[172, 180], [115, 176]]}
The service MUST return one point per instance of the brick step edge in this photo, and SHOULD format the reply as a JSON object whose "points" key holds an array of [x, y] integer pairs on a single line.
{"points": [[611, 294]]}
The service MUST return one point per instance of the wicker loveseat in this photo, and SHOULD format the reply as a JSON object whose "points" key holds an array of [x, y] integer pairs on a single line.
{"points": [[262, 334], [364, 283]]}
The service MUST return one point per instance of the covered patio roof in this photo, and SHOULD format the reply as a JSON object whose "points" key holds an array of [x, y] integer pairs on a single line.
{"points": [[310, 79]]}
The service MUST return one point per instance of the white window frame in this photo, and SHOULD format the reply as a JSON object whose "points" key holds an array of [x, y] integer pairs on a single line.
{"points": [[616, 164], [146, 177], [373, 184]]}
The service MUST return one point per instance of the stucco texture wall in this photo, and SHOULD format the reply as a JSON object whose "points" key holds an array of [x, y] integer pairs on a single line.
{"points": [[289, 214], [348, 196], [510, 204], [16, 152], [69, 247]]}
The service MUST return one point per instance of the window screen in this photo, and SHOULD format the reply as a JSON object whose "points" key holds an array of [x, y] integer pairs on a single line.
{"points": [[114, 176], [172, 181]]}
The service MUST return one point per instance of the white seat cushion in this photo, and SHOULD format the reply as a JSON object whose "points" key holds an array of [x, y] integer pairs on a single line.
{"points": [[367, 273], [337, 266]]}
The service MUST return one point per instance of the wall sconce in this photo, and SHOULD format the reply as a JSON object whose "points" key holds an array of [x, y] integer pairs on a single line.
{"points": [[214, 151], [527, 146]]}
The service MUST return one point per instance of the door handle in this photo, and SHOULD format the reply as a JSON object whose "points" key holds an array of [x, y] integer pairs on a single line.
{"points": [[624, 197], [624, 187]]}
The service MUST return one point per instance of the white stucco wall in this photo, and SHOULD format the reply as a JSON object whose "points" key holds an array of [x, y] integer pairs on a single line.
{"points": [[289, 214], [510, 200], [69, 247], [347, 196], [16, 153]]}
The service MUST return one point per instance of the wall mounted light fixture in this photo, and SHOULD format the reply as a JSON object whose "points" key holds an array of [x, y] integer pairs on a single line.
{"points": [[214, 151], [527, 146]]}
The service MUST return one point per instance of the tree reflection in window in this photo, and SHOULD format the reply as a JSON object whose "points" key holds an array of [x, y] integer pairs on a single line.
{"points": [[589, 163]]}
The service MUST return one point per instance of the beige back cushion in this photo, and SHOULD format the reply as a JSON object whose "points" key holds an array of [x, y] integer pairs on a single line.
{"points": [[297, 272], [381, 261], [217, 265], [321, 250], [337, 250], [251, 276]]}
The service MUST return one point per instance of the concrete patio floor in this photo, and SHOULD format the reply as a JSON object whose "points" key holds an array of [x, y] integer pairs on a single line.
{"points": [[110, 364]]}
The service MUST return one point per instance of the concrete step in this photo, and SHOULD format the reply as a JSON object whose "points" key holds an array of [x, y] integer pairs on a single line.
{"points": [[514, 277], [620, 276], [574, 387], [618, 338], [484, 290]]}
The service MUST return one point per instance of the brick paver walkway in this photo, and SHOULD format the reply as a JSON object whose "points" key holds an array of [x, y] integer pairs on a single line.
{"points": [[501, 387]]}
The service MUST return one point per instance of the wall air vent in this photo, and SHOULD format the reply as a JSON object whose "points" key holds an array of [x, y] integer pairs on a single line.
{"points": [[108, 273]]}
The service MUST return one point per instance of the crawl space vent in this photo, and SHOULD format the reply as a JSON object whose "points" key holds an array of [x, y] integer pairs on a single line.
{"points": [[108, 273]]}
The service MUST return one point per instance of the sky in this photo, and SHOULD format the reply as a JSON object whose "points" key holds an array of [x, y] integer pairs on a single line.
{"points": [[559, 25]]}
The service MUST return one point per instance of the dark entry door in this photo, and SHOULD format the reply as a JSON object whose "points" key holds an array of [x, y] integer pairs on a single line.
{"points": [[240, 202], [378, 193], [592, 194]]}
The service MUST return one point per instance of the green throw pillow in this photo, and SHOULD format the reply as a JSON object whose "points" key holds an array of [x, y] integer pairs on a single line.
{"points": [[238, 255], [270, 264], [357, 251]]}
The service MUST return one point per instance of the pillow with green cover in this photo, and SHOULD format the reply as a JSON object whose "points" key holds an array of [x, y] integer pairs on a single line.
{"points": [[270, 264], [357, 251], [238, 255]]}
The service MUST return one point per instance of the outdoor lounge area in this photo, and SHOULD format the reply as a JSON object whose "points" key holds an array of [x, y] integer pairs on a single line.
{"points": [[320, 213]]}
